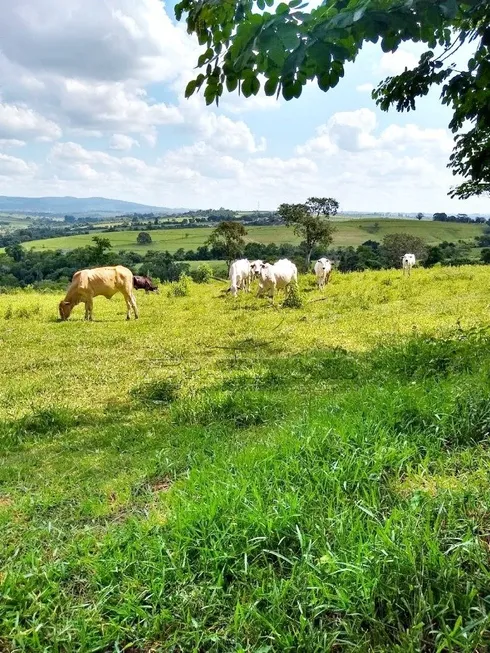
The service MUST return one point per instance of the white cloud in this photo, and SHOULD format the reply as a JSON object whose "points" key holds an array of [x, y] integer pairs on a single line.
{"points": [[409, 136], [16, 120], [394, 63], [365, 88], [113, 106], [346, 130], [122, 142], [111, 40], [11, 166], [7, 143]]}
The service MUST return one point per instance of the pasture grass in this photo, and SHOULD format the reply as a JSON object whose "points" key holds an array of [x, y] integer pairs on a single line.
{"points": [[230, 475], [349, 232]]}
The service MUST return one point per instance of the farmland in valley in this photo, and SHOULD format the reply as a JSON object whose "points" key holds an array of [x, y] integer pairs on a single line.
{"points": [[349, 232]]}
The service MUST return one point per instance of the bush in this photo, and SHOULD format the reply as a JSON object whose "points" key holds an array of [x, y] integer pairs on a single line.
{"points": [[294, 298], [143, 238], [180, 288], [202, 274]]}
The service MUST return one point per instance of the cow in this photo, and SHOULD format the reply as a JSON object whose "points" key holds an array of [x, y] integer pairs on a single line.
{"points": [[107, 281], [255, 267], [408, 261], [276, 277], [323, 269], [239, 276], [144, 283]]}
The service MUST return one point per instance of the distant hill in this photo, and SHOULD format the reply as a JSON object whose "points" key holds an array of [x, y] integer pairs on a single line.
{"points": [[76, 206]]}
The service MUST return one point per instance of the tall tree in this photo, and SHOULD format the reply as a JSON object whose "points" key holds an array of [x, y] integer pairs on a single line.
{"points": [[230, 238], [309, 221], [420, 216], [394, 246], [243, 43]]}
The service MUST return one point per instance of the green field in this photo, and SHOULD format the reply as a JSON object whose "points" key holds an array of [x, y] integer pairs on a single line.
{"points": [[352, 232], [13, 221], [229, 475]]}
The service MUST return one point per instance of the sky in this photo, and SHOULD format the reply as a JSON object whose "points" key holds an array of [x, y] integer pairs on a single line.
{"points": [[92, 104]]}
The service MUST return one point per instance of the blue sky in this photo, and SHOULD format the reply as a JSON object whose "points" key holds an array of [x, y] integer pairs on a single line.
{"points": [[91, 103]]}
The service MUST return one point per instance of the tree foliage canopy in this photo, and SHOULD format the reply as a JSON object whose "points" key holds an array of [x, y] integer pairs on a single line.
{"points": [[397, 245], [308, 221], [144, 238], [247, 46], [230, 237]]}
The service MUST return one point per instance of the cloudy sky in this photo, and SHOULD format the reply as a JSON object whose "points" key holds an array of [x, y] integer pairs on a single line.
{"points": [[91, 103]]}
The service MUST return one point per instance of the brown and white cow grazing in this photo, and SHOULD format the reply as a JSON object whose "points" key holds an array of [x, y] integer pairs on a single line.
{"points": [[87, 284], [144, 283]]}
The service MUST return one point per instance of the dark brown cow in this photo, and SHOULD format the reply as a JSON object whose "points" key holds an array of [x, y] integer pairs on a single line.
{"points": [[144, 283]]}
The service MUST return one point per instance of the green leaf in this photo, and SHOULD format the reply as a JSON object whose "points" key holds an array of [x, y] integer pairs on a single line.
{"points": [[190, 88], [231, 84], [288, 36], [250, 86], [261, 4], [450, 8], [282, 8], [324, 81], [269, 3], [270, 86], [288, 91], [295, 3], [210, 94]]}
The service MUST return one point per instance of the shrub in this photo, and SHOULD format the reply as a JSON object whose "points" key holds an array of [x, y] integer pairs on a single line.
{"points": [[143, 238], [202, 274], [293, 297], [180, 288]]}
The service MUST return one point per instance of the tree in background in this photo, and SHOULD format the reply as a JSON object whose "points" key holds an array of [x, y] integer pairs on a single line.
{"points": [[228, 237], [291, 46], [309, 221], [420, 216], [395, 246], [100, 250], [16, 252], [144, 238], [70, 219]]}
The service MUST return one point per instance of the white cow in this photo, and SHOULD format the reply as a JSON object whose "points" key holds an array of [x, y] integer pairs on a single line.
{"points": [[255, 267], [239, 276], [276, 277], [323, 269], [408, 261]]}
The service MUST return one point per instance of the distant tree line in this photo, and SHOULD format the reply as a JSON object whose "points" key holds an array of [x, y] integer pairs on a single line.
{"points": [[39, 233], [461, 217], [53, 269]]}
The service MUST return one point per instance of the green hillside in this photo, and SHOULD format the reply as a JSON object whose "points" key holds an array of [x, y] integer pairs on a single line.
{"points": [[227, 475], [352, 232]]}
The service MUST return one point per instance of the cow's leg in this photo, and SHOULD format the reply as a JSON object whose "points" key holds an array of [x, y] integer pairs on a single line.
{"points": [[273, 292], [127, 299], [89, 304], [135, 308], [327, 278]]}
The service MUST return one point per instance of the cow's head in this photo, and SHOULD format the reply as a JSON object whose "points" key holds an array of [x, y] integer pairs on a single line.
{"points": [[149, 285], [255, 267], [65, 308], [144, 283]]}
